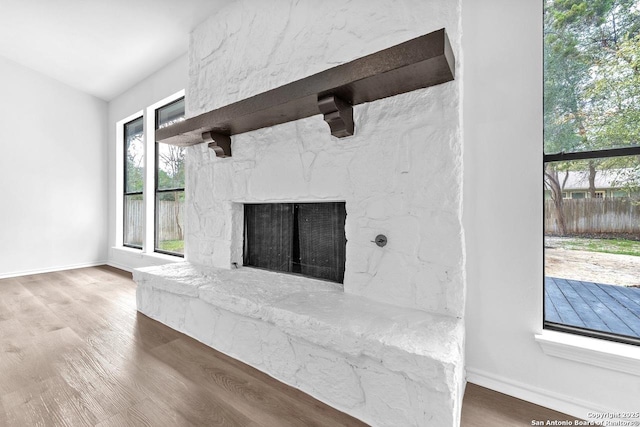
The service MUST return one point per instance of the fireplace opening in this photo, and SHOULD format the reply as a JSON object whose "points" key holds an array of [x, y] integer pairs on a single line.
{"points": [[301, 238]]}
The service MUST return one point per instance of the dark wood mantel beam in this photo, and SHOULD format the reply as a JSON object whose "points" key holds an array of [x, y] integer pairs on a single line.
{"points": [[415, 64]]}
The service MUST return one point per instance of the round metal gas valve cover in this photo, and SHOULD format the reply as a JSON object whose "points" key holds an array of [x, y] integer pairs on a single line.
{"points": [[381, 240]]}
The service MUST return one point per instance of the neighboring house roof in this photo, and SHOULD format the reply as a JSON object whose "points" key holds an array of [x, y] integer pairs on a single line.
{"points": [[606, 179]]}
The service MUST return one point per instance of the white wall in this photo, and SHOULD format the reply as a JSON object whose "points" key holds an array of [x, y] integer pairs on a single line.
{"points": [[165, 82], [502, 43], [53, 174]]}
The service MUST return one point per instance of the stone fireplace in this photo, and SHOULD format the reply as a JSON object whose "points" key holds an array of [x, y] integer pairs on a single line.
{"points": [[387, 345]]}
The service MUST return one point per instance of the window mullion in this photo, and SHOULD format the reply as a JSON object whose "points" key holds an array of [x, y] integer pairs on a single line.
{"points": [[168, 175], [149, 181], [132, 230], [596, 154]]}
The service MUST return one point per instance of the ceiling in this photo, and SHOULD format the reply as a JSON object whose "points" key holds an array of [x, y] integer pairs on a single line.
{"points": [[99, 47]]}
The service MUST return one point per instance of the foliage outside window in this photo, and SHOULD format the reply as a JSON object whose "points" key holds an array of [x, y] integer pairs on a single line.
{"points": [[169, 194], [592, 167], [133, 184]]}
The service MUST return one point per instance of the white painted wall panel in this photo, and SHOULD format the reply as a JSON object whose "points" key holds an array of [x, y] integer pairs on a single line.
{"points": [[502, 45], [53, 174]]}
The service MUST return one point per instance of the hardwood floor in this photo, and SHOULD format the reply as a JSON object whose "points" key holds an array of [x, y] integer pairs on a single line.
{"points": [[75, 352], [483, 407]]}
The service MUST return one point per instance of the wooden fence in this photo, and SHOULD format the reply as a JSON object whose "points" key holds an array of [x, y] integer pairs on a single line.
{"points": [[595, 216], [170, 220]]}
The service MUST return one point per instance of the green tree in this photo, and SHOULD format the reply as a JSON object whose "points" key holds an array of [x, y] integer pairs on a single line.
{"points": [[591, 90], [134, 164], [593, 45], [566, 70], [171, 176]]}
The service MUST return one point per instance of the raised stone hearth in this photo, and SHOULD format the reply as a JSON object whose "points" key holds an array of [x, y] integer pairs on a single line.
{"points": [[387, 365]]}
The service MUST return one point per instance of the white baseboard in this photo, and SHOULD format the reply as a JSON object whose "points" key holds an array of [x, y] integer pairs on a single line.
{"points": [[552, 400], [50, 269], [119, 266]]}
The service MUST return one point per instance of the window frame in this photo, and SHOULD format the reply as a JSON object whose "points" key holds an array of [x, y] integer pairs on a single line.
{"points": [[149, 117], [632, 150], [156, 182], [126, 193]]}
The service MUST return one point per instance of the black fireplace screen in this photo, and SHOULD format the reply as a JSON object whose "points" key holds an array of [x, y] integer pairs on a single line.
{"points": [[303, 238]]}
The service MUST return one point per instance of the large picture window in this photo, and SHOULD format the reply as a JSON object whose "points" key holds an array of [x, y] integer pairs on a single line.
{"points": [[592, 168], [133, 222], [169, 179]]}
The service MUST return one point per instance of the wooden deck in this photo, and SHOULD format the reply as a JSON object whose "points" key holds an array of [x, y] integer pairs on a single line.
{"points": [[596, 306]]}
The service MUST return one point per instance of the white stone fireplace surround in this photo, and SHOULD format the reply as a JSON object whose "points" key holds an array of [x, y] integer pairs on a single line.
{"points": [[388, 345]]}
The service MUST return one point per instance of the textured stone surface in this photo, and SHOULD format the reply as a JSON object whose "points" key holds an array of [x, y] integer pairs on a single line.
{"points": [[385, 364], [400, 174], [369, 347]]}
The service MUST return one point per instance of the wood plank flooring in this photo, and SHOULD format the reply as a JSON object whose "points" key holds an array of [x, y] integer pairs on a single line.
{"points": [[483, 408], [75, 352]]}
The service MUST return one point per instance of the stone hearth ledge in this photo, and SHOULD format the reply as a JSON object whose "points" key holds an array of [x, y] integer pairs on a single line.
{"points": [[384, 364]]}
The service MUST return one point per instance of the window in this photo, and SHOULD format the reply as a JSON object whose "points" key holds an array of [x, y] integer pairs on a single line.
{"points": [[150, 182], [591, 111], [169, 184], [133, 184], [303, 238]]}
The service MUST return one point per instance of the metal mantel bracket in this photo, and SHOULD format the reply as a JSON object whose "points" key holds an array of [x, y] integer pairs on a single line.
{"points": [[218, 142], [338, 114]]}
